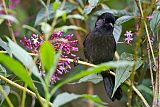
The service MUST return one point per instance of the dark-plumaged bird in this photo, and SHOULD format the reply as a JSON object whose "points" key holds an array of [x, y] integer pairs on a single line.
{"points": [[100, 47]]}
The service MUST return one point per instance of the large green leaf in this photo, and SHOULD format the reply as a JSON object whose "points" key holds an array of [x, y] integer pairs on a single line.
{"points": [[24, 57], [94, 70], [67, 97], [94, 78], [123, 19], [17, 68], [117, 32], [122, 74], [155, 21], [47, 53]]}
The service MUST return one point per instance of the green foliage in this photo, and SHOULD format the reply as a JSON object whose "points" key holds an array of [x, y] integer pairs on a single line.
{"points": [[19, 53], [67, 97], [123, 19], [78, 18], [18, 69], [94, 70], [47, 53], [155, 21], [56, 5], [123, 74], [117, 32], [68, 7], [94, 78]]}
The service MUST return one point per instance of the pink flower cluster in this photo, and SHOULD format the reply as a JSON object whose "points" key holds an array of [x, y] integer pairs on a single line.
{"points": [[60, 42], [33, 43], [128, 38]]}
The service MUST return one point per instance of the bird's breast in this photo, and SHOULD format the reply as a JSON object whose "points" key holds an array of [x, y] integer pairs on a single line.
{"points": [[102, 49]]}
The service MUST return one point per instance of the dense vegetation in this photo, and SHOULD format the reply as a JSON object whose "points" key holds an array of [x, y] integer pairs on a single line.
{"points": [[42, 61]]}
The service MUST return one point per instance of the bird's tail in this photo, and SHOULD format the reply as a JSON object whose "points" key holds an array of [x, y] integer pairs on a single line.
{"points": [[109, 81]]}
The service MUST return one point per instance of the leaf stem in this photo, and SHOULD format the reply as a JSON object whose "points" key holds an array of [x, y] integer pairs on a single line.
{"points": [[24, 96]]}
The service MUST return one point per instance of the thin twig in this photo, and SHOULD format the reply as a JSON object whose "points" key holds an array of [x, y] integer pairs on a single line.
{"points": [[141, 96], [24, 96], [90, 91], [9, 25]]}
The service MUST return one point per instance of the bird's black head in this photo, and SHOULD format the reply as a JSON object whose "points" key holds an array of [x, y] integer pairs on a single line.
{"points": [[106, 19]]}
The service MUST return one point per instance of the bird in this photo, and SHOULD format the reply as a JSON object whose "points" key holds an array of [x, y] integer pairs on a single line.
{"points": [[99, 47]]}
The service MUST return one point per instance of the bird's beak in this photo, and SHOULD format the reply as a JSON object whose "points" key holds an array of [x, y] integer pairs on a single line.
{"points": [[111, 24]]}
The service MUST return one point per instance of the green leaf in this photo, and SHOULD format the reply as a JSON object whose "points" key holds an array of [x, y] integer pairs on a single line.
{"points": [[59, 13], [66, 28], [42, 14], [94, 78], [117, 32], [5, 46], [76, 16], [9, 17], [56, 5], [54, 66], [87, 10], [93, 3], [155, 21], [122, 74], [17, 68], [67, 97], [130, 57], [95, 99], [45, 27], [90, 7], [93, 70], [64, 16], [144, 88], [69, 7], [47, 53], [24, 57], [123, 19]]}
